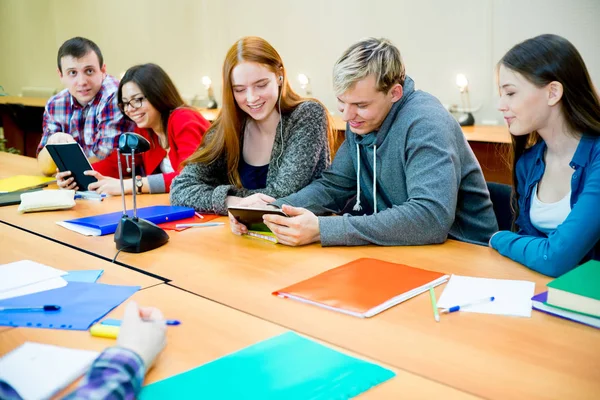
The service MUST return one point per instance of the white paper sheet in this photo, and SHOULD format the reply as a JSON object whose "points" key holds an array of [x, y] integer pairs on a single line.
{"points": [[42, 286], [511, 297], [22, 273], [84, 230], [38, 371]]}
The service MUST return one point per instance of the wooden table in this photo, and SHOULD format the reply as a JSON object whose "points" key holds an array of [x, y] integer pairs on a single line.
{"points": [[489, 356], [209, 331], [14, 164]]}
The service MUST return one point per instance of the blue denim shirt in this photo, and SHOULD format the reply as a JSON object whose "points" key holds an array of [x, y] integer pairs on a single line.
{"points": [[574, 241]]}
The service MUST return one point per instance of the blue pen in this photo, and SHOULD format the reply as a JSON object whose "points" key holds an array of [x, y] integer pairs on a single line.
{"points": [[89, 195], [117, 322], [480, 301]]}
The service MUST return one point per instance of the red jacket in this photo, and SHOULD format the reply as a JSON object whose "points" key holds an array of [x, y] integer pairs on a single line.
{"points": [[185, 129]]}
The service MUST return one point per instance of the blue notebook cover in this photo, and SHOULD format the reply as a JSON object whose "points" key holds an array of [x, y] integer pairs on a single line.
{"points": [[539, 303], [287, 366], [81, 304], [107, 223]]}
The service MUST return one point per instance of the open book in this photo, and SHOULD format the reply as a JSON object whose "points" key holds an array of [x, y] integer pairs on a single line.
{"points": [[363, 287]]}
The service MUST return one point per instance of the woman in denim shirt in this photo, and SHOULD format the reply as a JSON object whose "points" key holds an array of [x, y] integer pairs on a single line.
{"points": [[553, 113]]}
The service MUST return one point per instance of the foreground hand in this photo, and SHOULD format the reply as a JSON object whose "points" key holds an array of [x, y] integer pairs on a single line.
{"points": [[64, 180], [301, 227], [143, 331], [105, 184], [60, 137], [236, 227]]}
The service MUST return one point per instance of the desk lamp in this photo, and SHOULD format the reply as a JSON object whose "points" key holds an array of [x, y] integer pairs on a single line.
{"points": [[133, 234], [305, 84], [466, 119], [212, 102]]}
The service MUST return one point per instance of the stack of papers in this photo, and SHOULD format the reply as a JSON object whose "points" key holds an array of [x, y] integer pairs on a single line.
{"points": [[25, 277], [510, 297], [38, 371]]}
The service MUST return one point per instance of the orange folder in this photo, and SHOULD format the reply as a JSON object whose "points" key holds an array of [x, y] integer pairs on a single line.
{"points": [[363, 287]]}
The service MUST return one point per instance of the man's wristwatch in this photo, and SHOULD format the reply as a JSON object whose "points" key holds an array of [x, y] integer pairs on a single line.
{"points": [[138, 184]]}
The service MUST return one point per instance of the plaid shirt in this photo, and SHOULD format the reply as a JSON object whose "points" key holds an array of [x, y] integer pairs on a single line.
{"points": [[116, 374], [95, 127]]}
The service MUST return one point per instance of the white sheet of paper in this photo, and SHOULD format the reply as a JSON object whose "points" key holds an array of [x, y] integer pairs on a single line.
{"points": [[48, 284], [511, 297], [22, 273], [84, 230], [38, 371]]}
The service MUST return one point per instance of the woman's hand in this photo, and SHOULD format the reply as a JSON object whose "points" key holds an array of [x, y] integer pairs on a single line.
{"points": [[64, 180], [107, 185]]}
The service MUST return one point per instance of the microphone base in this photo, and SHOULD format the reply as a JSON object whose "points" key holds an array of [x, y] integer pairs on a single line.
{"points": [[136, 235]]}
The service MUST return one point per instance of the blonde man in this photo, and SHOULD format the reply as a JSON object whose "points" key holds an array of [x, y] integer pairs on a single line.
{"points": [[405, 166]]}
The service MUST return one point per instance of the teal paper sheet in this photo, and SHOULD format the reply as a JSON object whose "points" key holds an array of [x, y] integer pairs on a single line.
{"points": [[287, 366], [89, 276]]}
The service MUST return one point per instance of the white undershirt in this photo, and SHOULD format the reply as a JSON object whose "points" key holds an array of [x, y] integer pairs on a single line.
{"points": [[545, 217], [165, 165]]}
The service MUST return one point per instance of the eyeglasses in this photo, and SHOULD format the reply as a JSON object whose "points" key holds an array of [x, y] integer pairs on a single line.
{"points": [[134, 103]]}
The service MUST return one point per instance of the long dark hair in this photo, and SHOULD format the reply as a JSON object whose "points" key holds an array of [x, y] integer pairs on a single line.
{"points": [[552, 58], [157, 88], [225, 132]]}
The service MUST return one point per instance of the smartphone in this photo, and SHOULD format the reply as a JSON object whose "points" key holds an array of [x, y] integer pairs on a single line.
{"points": [[253, 217]]}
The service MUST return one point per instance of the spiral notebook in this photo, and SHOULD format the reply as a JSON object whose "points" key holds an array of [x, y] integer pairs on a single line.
{"points": [[287, 366], [363, 287]]}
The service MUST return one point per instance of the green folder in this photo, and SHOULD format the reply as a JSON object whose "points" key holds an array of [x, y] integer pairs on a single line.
{"points": [[287, 366]]}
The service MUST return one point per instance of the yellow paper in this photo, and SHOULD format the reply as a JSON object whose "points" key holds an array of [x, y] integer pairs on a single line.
{"points": [[21, 182]]}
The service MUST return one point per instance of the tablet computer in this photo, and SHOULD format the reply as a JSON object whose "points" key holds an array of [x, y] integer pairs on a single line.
{"points": [[253, 217], [70, 157]]}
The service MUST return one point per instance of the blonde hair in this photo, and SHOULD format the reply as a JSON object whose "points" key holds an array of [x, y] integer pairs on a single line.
{"points": [[369, 56]]}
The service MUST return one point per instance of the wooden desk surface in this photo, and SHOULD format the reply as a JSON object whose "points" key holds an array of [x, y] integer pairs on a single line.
{"points": [[14, 164], [486, 355], [17, 244], [209, 331], [489, 356]]}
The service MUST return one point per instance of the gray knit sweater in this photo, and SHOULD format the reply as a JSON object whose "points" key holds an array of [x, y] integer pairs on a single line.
{"points": [[427, 184], [296, 161]]}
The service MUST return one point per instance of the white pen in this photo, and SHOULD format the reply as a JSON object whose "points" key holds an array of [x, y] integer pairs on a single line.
{"points": [[200, 225], [473, 303]]}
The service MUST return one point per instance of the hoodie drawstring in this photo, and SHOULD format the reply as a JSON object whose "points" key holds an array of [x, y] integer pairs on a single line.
{"points": [[357, 206], [375, 179]]}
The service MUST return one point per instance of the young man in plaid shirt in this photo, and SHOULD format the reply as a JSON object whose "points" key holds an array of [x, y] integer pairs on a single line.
{"points": [[86, 111]]}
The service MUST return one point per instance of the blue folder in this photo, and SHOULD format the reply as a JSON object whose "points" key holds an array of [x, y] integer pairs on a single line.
{"points": [[81, 304], [107, 223], [287, 366]]}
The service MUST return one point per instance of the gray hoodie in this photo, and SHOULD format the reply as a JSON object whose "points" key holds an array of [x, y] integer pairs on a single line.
{"points": [[417, 182]]}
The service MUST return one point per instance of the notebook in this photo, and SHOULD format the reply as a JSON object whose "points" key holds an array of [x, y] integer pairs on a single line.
{"points": [[81, 304], [70, 157], [578, 290], [21, 182], [49, 368], [287, 366], [539, 302], [363, 287], [105, 224]]}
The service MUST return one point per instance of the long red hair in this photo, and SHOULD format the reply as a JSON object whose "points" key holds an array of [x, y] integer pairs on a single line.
{"points": [[225, 132]]}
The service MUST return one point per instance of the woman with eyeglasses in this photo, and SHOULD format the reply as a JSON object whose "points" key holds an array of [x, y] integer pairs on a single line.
{"points": [[148, 97]]}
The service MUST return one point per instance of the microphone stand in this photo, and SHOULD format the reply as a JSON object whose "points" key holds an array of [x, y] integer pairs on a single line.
{"points": [[133, 234]]}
